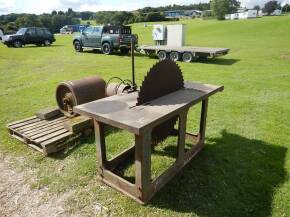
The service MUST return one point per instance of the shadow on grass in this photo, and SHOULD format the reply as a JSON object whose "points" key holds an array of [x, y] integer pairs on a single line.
{"points": [[218, 61], [232, 176], [114, 53], [78, 143], [35, 46]]}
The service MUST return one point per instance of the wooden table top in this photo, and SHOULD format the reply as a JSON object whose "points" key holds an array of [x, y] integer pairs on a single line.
{"points": [[121, 110]]}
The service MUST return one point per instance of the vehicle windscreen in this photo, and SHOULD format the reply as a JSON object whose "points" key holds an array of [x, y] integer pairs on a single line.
{"points": [[21, 31]]}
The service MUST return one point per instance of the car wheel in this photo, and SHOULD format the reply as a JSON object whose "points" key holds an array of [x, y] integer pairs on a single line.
{"points": [[106, 48], [162, 55], [17, 44], [47, 42], [124, 50], [174, 56], [78, 47], [187, 57]]}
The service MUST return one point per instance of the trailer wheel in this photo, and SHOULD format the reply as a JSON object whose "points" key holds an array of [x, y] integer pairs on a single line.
{"points": [[162, 55], [187, 57], [174, 56]]}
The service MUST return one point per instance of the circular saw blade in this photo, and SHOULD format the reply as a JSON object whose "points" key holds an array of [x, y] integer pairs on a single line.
{"points": [[163, 78]]}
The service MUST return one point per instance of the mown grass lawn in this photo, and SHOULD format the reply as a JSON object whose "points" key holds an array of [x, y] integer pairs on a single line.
{"points": [[244, 169]]}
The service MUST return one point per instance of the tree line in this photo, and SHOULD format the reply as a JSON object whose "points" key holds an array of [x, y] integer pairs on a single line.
{"points": [[220, 8], [57, 19], [54, 21]]}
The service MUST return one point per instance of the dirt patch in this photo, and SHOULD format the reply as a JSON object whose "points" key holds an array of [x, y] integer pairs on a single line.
{"points": [[286, 56], [17, 198]]}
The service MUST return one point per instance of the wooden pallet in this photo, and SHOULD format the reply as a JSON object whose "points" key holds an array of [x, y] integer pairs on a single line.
{"points": [[46, 136]]}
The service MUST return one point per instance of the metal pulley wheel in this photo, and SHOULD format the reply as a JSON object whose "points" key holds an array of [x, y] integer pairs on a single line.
{"points": [[116, 88], [72, 93]]}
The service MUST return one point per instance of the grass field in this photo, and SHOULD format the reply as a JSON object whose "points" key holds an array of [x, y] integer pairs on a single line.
{"points": [[244, 169]]}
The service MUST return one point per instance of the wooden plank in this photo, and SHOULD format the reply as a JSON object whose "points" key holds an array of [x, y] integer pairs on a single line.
{"points": [[35, 147], [39, 124], [56, 138], [78, 124], [18, 122], [31, 125], [47, 137], [46, 128], [25, 123], [48, 113], [42, 128], [18, 137], [61, 143], [46, 132]]}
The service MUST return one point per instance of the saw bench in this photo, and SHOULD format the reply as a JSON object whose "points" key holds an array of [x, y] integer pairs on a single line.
{"points": [[124, 112]]}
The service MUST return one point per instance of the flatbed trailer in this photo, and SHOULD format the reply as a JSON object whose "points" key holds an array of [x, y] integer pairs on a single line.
{"points": [[185, 53]]}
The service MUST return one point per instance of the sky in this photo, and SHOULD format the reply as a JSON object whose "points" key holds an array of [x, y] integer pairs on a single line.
{"points": [[46, 6]]}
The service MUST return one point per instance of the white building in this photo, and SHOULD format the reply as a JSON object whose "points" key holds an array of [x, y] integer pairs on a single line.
{"points": [[1, 33], [242, 15], [277, 12]]}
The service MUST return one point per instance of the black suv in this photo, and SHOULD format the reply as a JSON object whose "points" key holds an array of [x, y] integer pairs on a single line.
{"points": [[30, 35]]}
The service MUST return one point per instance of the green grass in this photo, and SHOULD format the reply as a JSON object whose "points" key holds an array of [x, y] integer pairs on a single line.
{"points": [[244, 168]]}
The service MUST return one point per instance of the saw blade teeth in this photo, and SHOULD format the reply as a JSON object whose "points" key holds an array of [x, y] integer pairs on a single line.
{"points": [[163, 77]]}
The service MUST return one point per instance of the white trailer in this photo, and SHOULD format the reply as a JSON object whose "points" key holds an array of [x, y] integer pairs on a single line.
{"points": [[170, 41], [185, 53]]}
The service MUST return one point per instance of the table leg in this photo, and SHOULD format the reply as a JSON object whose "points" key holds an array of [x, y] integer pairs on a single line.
{"points": [[181, 135], [202, 125], [143, 164], [100, 144]]}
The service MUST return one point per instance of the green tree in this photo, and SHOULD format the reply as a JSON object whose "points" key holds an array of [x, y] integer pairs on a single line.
{"points": [[151, 17], [10, 27], [222, 7], [28, 20], [256, 7], [70, 12], [58, 21], [46, 22], [286, 8], [270, 7], [234, 6]]}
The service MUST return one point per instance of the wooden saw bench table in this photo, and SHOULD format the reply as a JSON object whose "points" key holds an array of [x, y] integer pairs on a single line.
{"points": [[120, 111]]}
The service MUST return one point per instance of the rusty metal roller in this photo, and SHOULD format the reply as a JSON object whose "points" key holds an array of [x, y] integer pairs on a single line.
{"points": [[76, 92]]}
